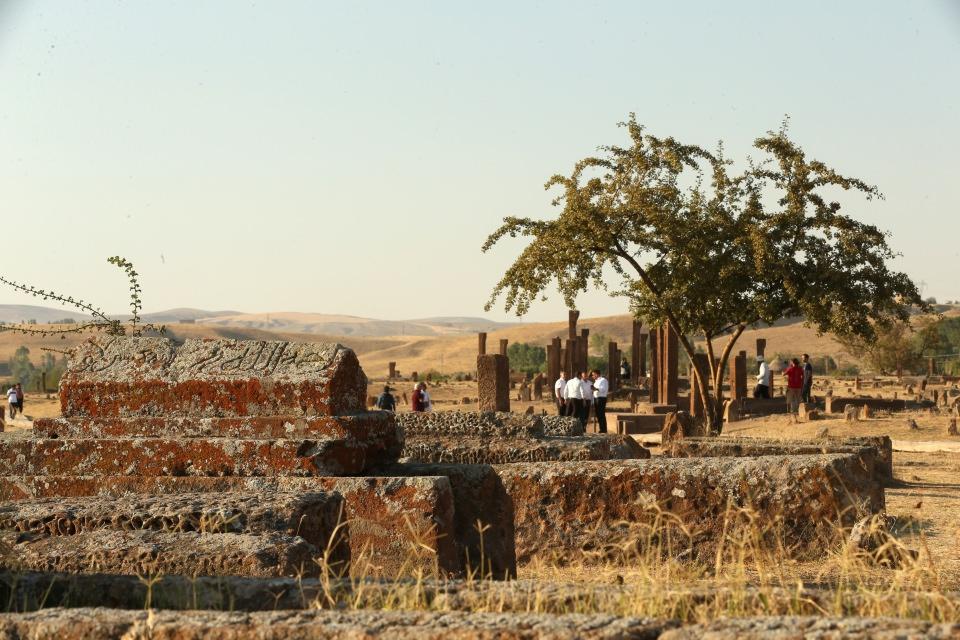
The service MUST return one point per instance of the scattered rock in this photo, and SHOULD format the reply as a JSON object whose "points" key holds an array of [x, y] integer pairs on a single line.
{"points": [[871, 538], [952, 427], [679, 425], [912, 424], [851, 413]]}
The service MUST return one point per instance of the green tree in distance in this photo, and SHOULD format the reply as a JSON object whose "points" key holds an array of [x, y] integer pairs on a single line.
{"points": [[709, 251], [528, 358]]}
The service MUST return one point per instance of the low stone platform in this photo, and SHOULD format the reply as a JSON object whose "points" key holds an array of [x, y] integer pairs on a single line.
{"points": [[146, 552], [493, 450], [875, 452], [193, 456], [127, 377], [371, 426], [387, 517], [567, 508], [119, 624], [314, 516]]}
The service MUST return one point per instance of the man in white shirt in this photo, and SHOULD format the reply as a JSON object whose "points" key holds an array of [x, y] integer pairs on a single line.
{"points": [[764, 379], [586, 390], [560, 393], [601, 387], [574, 397]]}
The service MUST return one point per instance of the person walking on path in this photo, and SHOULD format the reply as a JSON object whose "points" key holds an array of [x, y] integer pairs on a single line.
{"points": [[764, 379], [624, 371], [601, 387], [386, 401], [12, 401], [574, 397], [20, 398], [560, 393], [794, 375], [807, 378], [586, 393]]}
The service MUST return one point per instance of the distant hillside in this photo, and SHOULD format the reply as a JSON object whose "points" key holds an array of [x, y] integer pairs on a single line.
{"points": [[341, 325], [18, 313]]}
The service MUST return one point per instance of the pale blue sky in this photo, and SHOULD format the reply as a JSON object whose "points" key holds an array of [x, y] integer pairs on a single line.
{"points": [[351, 157]]}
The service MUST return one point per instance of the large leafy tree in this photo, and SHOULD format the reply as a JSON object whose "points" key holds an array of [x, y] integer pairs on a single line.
{"points": [[708, 250]]}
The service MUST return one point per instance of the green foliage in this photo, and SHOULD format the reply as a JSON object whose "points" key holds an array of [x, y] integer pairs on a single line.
{"points": [[99, 320], [597, 362], [528, 358], [706, 250], [22, 369], [599, 342]]}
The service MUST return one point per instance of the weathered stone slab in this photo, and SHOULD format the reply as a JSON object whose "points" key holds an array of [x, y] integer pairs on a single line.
{"points": [[314, 516], [145, 552], [561, 426], [473, 450], [835, 404], [370, 426], [125, 377], [194, 456], [640, 423], [386, 516], [470, 423], [118, 624], [875, 453], [565, 508]]}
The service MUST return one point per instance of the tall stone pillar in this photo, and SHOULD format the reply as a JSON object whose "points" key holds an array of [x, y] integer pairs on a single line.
{"points": [[643, 356], [482, 343], [761, 347], [671, 364], [572, 316], [569, 357], [503, 346], [613, 366], [738, 376], [392, 370], [930, 366], [654, 382], [636, 349], [493, 382]]}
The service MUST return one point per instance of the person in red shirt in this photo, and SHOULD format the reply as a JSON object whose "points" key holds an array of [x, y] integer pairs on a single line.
{"points": [[416, 399], [794, 375]]}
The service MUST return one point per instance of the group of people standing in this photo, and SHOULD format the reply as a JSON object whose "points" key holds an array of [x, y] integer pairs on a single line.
{"points": [[576, 396], [799, 377], [419, 400], [15, 400]]}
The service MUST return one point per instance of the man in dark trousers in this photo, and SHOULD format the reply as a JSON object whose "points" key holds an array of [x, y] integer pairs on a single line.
{"points": [[807, 378], [386, 401], [601, 387]]}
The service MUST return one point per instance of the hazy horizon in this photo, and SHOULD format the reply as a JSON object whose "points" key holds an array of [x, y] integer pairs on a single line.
{"points": [[352, 158]]}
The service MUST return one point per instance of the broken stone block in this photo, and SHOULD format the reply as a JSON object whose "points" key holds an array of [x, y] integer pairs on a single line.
{"points": [[474, 423], [386, 516], [483, 516], [128, 377], [193, 456], [804, 496], [680, 424], [146, 552]]}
